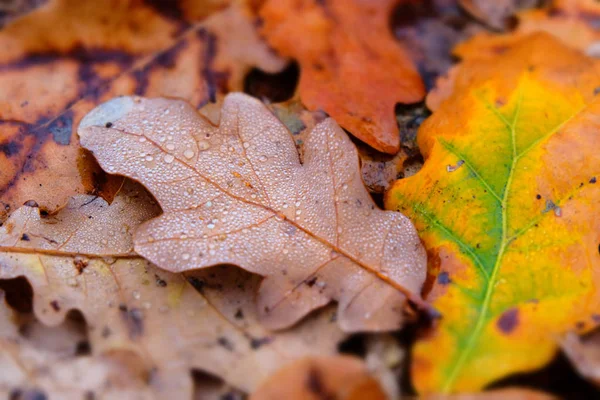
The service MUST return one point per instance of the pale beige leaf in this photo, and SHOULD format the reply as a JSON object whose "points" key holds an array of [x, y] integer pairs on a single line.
{"points": [[171, 322], [40, 360], [237, 193]]}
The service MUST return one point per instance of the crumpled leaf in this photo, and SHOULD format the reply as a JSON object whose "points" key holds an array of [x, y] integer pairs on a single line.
{"points": [[315, 378], [50, 78], [236, 193], [505, 206], [351, 66], [42, 362], [168, 323]]}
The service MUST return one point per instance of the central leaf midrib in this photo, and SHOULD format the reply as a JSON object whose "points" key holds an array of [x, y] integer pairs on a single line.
{"points": [[490, 283], [482, 318]]}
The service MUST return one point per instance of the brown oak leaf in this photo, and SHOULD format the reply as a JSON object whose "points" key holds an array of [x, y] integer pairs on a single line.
{"points": [[167, 323], [351, 66], [236, 193]]}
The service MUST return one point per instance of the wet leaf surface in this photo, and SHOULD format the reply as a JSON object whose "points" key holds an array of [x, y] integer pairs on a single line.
{"points": [[236, 193]]}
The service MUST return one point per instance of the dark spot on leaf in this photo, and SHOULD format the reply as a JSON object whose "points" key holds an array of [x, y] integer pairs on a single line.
{"points": [[61, 128], [108, 124], [509, 320], [80, 264], [134, 320], [256, 343], [538, 196], [83, 348], [106, 332], [225, 343], [10, 149], [239, 314], [596, 91], [593, 180], [596, 318], [25, 237], [54, 305], [311, 281], [197, 284], [580, 325], [443, 278], [160, 282]]}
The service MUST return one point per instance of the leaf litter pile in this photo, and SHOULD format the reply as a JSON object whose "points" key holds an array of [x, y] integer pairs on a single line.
{"points": [[299, 199]]}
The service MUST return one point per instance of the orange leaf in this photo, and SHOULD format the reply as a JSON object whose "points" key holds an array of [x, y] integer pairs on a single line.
{"points": [[341, 377], [506, 205], [351, 66], [236, 193]]}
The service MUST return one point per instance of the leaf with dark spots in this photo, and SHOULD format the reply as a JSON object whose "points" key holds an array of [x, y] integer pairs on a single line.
{"points": [[508, 320], [475, 204], [236, 193], [100, 52], [164, 330]]}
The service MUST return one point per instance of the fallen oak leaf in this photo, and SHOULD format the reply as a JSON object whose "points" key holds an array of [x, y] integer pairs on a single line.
{"points": [[505, 205], [351, 66], [236, 193], [104, 51], [168, 323], [314, 378]]}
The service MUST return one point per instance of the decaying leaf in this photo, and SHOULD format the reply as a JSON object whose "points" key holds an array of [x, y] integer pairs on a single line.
{"points": [[50, 78], [315, 378], [168, 323], [236, 193], [506, 205], [351, 67]]}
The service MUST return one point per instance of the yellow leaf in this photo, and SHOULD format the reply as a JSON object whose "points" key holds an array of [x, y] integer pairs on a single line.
{"points": [[507, 205]]}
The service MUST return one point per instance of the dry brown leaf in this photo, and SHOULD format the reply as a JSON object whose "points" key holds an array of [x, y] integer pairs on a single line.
{"points": [[236, 193], [351, 66], [315, 378], [169, 323], [50, 78]]}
